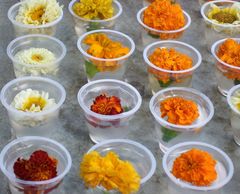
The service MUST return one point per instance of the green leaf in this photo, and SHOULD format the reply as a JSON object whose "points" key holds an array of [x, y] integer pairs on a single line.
{"points": [[91, 69], [236, 82], [153, 35], [125, 109], [168, 134], [93, 26], [164, 85]]}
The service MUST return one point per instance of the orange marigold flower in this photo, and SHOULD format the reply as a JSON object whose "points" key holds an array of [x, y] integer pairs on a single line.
{"points": [[39, 167], [107, 105], [179, 111], [195, 166]]}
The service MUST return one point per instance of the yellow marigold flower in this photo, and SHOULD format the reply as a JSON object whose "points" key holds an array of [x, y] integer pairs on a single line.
{"points": [[109, 172]]}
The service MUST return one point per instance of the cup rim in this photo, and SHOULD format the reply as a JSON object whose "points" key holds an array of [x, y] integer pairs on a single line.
{"points": [[204, 6], [161, 121], [213, 51], [9, 53], [163, 31], [81, 38], [229, 95], [33, 78], [185, 185], [173, 42], [70, 5], [136, 144], [35, 183], [109, 117], [30, 26]]}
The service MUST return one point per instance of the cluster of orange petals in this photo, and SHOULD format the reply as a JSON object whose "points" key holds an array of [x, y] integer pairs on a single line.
{"points": [[196, 167], [179, 111], [38, 167], [107, 105]]}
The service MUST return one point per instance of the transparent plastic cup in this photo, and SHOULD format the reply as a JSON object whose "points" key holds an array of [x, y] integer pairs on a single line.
{"points": [[150, 35], [42, 123], [235, 113], [104, 127], [36, 41], [224, 168], [22, 148], [169, 134], [134, 152], [161, 78], [99, 68], [215, 31], [83, 25], [23, 29], [227, 75]]}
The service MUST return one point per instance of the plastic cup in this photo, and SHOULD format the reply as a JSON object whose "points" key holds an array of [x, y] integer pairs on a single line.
{"points": [[22, 148], [104, 127], [99, 68], [224, 168], [227, 75], [23, 29], [83, 25], [215, 31], [158, 76], [150, 35], [134, 152], [36, 41], [41, 123], [169, 134]]}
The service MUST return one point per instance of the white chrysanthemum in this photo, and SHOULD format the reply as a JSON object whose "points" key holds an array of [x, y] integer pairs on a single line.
{"points": [[38, 12], [32, 101], [235, 100]]}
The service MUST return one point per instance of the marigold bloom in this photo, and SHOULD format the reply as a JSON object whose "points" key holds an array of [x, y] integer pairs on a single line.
{"points": [[179, 111], [195, 166]]}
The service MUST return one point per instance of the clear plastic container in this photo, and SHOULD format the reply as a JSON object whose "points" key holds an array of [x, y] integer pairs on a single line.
{"points": [[150, 35], [83, 25], [227, 75], [23, 29], [169, 134], [24, 147], [104, 127], [134, 152], [215, 31], [161, 78], [99, 68], [42, 123], [36, 41], [224, 168]]}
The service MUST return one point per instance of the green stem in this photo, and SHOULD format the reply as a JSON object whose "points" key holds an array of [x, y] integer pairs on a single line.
{"points": [[93, 26], [164, 85], [236, 82], [168, 134], [91, 69]]}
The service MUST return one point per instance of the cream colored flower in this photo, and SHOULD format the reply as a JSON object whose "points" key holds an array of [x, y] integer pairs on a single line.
{"points": [[38, 12], [235, 100], [32, 101]]}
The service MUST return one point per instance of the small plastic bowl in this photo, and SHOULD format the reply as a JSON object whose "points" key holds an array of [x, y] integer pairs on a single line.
{"points": [[23, 29], [36, 41], [103, 127], [83, 25], [37, 123], [22, 148], [181, 78], [224, 168], [170, 134], [99, 68]]}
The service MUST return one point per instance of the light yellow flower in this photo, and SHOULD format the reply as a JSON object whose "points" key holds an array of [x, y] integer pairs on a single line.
{"points": [[38, 12], [235, 100]]}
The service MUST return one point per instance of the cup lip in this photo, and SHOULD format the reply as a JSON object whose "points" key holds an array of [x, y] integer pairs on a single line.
{"points": [[109, 117], [161, 121], [213, 51], [204, 6], [229, 95], [35, 183], [185, 185], [70, 5], [64, 50], [81, 38], [30, 26], [173, 42], [33, 78], [136, 144], [163, 31]]}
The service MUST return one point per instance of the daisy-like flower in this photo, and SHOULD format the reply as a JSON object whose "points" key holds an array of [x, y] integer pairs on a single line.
{"points": [[32, 101], [38, 12], [235, 100]]}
